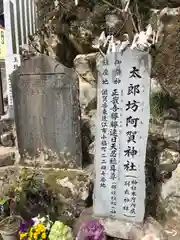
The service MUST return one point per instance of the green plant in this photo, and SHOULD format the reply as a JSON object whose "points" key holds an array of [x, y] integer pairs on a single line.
{"points": [[60, 231], [28, 194], [159, 103], [10, 200], [38, 197]]}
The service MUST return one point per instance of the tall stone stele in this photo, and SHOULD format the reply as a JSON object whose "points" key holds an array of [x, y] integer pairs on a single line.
{"points": [[47, 113]]}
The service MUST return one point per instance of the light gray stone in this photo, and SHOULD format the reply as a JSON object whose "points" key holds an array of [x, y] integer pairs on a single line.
{"points": [[170, 195], [171, 131], [47, 113], [128, 230], [7, 139], [7, 159], [92, 123], [87, 93], [5, 125], [93, 118], [91, 149], [169, 159], [156, 130], [112, 20], [171, 114], [85, 67], [155, 86], [163, 171], [88, 134]]}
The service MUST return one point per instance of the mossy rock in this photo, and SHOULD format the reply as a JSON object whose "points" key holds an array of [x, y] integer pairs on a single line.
{"points": [[60, 201], [76, 178], [69, 193], [167, 61]]}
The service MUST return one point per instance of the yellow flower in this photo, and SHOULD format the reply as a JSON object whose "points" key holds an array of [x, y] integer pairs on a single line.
{"points": [[41, 226], [31, 235], [38, 231], [23, 235], [35, 235], [43, 235], [32, 230]]}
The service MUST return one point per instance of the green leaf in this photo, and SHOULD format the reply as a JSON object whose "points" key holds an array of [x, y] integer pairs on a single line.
{"points": [[2, 201]]}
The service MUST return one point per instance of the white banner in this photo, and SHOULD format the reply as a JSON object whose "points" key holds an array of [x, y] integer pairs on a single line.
{"points": [[20, 18], [122, 131], [12, 63]]}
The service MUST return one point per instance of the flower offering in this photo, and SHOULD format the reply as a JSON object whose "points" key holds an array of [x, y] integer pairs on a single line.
{"points": [[91, 230], [60, 231], [31, 231]]}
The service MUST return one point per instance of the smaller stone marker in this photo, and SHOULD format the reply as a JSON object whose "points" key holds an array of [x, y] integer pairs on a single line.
{"points": [[122, 131], [47, 112]]}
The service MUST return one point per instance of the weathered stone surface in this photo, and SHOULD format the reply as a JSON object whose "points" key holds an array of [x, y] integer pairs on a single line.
{"points": [[90, 171], [87, 93], [171, 114], [170, 196], [134, 231], [169, 156], [47, 113], [93, 118], [151, 176], [173, 237], [7, 156], [165, 170], [113, 21], [7, 160], [156, 130], [171, 131], [7, 139], [72, 188], [91, 149], [125, 230], [85, 66], [167, 60], [161, 145], [86, 140], [92, 127], [5, 125], [155, 86]]}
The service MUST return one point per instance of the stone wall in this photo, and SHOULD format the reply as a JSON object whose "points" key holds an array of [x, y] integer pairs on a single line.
{"points": [[166, 136]]}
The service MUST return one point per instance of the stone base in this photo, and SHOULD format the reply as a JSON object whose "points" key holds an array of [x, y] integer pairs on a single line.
{"points": [[150, 230], [8, 156]]}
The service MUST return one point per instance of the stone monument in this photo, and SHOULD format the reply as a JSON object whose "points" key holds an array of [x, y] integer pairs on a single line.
{"points": [[47, 112]]}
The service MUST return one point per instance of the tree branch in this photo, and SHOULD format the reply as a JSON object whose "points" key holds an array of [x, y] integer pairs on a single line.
{"points": [[138, 17], [111, 5]]}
